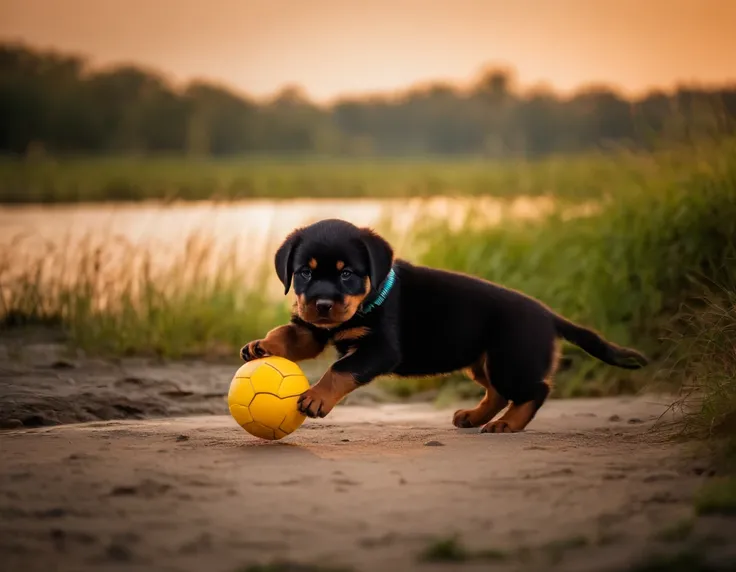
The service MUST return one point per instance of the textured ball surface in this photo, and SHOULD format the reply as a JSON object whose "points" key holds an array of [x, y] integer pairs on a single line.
{"points": [[263, 397]]}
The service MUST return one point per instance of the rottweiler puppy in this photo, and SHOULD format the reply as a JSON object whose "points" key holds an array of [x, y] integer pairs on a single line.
{"points": [[387, 316]]}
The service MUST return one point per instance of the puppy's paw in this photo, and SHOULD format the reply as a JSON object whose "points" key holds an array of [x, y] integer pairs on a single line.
{"points": [[253, 350], [499, 426], [466, 418], [314, 403]]}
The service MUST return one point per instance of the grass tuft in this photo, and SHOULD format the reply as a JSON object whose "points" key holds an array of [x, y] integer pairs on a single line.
{"points": [[677, 532], [684, 561], [704, 333], [287, 566], [718, 496], [445, 550], [557, 548], [451, 549]]}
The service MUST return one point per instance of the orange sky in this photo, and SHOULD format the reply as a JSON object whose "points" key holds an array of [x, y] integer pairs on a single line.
{"points": [[349, 46]]}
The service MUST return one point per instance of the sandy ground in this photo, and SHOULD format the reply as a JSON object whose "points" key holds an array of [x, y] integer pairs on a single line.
{"points": [[589, 486], [41, 385]]}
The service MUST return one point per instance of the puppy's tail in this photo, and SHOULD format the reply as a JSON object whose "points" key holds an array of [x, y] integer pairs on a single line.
{"points": [[594, 344]]}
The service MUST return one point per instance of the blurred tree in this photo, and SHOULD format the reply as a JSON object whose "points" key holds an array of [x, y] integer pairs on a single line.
{"points": [[218, 121], [54, 103], [493, 89]]}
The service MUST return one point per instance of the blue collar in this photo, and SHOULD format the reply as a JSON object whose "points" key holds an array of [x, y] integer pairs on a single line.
{"points": [[386, 286]]}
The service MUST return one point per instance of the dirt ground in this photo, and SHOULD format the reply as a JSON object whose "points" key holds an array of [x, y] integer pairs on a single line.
{"points": [[589, 486], [41, 385]]}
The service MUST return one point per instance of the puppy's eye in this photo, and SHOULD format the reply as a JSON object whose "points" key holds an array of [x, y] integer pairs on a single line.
{"points": [[306, 274], [346, 274]]}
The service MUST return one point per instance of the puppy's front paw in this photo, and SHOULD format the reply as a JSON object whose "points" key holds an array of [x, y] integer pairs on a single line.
{"points": [[315, 403], [253, 350]]}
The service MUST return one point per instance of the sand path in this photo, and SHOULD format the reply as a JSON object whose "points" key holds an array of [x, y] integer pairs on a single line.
{"points": [[587, 487]]}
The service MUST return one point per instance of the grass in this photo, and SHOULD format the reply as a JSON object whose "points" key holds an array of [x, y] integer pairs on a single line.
{"points": [[677, 532], [718, 496], [445, 550], [625, 270], [112, 298], [695, 558], [451, 549], [705, 334], [691, 558], [285, 566], [48, 180], [557, 548], [683, 561]]}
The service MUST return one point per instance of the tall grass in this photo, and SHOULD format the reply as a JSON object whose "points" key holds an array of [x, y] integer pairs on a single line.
{"points": [[116, 299], [46, 180], [624, 270], [704, 334]]}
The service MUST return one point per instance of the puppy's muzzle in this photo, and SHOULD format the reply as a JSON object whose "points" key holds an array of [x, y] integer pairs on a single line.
{"points": [[324, 307]]}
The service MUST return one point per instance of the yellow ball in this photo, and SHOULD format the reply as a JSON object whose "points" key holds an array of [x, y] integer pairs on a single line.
{"points": [[263, 397]]}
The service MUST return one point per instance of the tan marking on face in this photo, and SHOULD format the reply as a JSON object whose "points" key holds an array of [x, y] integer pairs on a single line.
{"points": [[340, 313], [308, 313], [301, 305], [352, 303], [313, 263], [340, 265], [352, 333]]}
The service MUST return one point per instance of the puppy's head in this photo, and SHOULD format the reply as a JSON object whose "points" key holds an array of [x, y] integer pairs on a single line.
{"points": [[334, 266]]}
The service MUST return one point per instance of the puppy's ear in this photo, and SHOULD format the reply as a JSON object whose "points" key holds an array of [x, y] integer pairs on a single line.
{"points": [[284, 259], [380, 256]]}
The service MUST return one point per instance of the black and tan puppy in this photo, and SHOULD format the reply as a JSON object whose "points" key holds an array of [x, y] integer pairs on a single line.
{"points": [[387, 316]]}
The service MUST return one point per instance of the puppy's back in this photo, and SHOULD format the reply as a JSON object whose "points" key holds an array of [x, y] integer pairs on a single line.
{"points": [[448, 319]]}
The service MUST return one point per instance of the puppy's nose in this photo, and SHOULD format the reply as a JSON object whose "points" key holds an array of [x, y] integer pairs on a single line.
{"points": [[323, 307]]}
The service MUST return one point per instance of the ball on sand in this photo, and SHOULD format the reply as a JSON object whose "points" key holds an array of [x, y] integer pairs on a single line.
{"points": [[263, 397]]}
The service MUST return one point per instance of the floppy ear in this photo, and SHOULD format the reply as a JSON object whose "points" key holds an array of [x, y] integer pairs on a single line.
{"points": [[380, 256], [284, 259]]}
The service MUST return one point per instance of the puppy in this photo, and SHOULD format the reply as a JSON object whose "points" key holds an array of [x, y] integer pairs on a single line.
{"points": [[387, 316]]}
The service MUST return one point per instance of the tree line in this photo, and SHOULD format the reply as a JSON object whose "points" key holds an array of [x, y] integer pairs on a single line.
{"points": [[58, 104]]}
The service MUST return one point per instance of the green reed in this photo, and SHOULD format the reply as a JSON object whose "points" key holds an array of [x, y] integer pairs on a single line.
{"points": [[114, 298], [48, 180], [704, 336]]}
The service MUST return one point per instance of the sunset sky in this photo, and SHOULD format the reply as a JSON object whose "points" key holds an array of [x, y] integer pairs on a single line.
{"points": [[333, 47]]}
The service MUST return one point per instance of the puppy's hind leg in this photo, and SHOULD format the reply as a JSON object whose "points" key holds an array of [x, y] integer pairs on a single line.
{"points": [[522, 372], [488, 407], [518, 415]]}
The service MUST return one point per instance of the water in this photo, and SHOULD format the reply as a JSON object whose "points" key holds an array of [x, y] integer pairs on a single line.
{"points": [[119, 233], [254, 224]]}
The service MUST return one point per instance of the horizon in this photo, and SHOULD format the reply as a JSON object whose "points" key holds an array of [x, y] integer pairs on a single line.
{"points": [[459, 87], [669, 43]]}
